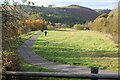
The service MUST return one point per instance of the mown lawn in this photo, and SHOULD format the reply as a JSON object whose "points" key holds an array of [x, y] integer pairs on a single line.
{"points": [[84, 48]]}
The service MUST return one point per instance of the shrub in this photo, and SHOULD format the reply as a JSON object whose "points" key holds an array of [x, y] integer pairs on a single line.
{"points": [[65, 26], [50, 27], [80, 27], [11, 61]]}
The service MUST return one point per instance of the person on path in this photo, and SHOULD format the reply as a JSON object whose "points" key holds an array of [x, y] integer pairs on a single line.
{"points": [[41, 30], [45, 33]]}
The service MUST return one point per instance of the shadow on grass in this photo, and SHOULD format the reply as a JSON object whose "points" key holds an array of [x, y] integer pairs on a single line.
{"points": [[71, 52], [57, 30]]}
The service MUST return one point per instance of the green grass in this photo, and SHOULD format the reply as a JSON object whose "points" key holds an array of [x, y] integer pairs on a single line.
{"points": [[28, 67], [16, 43], [27, 36], [10, 51], [84, 48]]}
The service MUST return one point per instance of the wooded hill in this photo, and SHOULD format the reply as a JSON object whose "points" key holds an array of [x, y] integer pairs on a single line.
{"points": [[107, 23], [73, 14]]}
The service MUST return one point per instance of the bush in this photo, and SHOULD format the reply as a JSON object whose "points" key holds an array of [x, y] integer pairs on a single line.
{"points": [[11, 61], [50, 27], [80, 27], [65, 26]]}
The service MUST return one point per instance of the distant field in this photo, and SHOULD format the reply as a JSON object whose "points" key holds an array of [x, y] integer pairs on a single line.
{"points": [[84, 48]]}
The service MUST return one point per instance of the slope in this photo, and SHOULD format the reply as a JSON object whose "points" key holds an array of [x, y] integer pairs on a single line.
{"points": [[73, 14]]}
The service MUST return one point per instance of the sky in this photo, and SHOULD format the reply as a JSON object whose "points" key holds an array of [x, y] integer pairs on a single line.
{"points": [[94, 4]]}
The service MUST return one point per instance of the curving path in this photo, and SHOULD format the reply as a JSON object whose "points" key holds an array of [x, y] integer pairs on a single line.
{"points": [[25, 51]]}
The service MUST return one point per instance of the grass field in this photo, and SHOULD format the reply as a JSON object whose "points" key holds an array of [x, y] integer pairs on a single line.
{"points": [[28, 67], [84, 48]]}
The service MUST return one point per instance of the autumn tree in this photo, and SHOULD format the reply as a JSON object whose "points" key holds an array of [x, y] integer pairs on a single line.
{"points": [[13, 19], [36, 24], [107, 23]]}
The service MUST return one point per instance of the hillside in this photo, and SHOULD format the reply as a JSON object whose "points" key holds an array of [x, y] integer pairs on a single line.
{"points": [[73, 14], [85, 12], [107, 23]]}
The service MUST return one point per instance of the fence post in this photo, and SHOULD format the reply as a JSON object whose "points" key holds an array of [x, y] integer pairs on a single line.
{"points": [[7, 77], [94, 70]]}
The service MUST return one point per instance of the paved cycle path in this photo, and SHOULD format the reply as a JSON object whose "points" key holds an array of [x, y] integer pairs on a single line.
{"points": [[25, 51]]}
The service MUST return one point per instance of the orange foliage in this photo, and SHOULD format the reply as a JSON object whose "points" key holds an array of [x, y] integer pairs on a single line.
{"points": [[36, 24], [27, 21], [38, 21]]}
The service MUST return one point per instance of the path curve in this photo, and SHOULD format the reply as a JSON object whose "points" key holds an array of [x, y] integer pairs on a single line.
{"points": [[25, 51]]}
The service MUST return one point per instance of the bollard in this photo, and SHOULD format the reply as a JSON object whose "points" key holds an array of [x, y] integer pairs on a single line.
{"points": [[94, 70]]}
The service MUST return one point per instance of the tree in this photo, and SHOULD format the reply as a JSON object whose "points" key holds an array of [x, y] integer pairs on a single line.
{"points": [[12, 21], [78, 27], [36, 24]]}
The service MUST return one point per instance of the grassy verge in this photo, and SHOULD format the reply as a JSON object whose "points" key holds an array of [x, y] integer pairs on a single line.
{"points": [[10, 57], [84, 48], [29, 67], [16, 43]]}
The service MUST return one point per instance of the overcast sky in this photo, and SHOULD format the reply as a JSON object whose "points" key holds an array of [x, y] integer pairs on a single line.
{"points": [[94, 4]]}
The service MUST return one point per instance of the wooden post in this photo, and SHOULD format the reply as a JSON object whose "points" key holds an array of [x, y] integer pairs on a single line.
{"points": [[8, 68], [94, 70]]}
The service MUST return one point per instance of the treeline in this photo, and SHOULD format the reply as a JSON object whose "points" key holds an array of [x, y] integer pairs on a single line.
{"points": [[14, 24], [107, 23], [54, 18]]}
